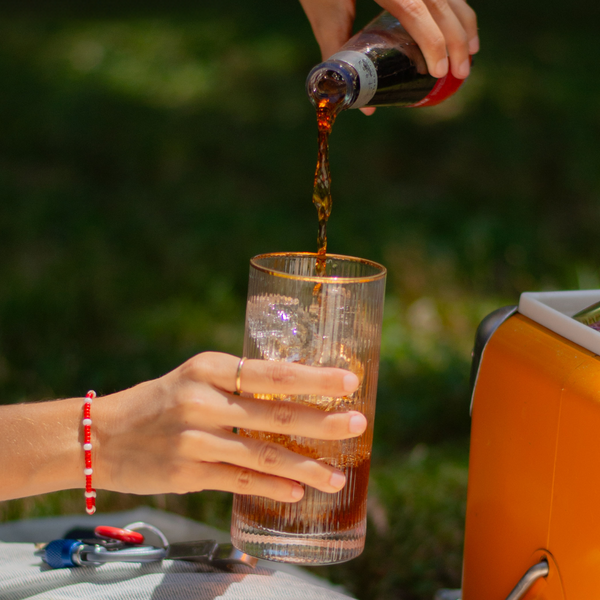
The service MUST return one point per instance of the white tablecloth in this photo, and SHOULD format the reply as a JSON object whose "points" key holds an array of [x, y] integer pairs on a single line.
{"points": [[25, 576]]}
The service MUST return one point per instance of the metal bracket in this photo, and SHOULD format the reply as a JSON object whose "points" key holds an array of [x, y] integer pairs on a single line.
{"points": [[525, 583], [532, 575], [208, 551]]}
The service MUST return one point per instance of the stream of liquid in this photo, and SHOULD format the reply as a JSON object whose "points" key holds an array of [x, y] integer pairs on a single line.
{"points": [[327, 110]]}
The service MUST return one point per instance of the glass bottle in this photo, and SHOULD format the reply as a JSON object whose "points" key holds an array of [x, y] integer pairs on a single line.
{"points": [[589, 316], [380, 66]]}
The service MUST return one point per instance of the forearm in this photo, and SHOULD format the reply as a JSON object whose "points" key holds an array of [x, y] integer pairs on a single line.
{"points": [[40, 448], [176, 434]]}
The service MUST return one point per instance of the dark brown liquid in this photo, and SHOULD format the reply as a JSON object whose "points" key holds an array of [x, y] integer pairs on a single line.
{"points": [[327, 110], [317, 512]]}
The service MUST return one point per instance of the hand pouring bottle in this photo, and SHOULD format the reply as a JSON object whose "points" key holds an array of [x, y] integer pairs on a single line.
{"points": [[380, 66]]}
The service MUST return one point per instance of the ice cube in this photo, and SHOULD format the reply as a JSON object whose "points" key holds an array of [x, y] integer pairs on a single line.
{"points": [[324, 333], [275, 324]]}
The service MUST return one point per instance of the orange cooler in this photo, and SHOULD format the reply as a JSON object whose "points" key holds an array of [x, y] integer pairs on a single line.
{"points": [[534, 472]]}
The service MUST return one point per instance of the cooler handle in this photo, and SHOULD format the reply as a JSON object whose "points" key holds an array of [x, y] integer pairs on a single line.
{"points": [[486, 329], [532, 575]]}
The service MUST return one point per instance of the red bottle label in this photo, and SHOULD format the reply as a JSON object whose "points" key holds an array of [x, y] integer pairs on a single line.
{"points": [[443, 88]]}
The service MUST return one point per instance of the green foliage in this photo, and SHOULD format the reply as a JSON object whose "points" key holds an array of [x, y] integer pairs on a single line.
{"points": [[148, 150], [416, 514]]}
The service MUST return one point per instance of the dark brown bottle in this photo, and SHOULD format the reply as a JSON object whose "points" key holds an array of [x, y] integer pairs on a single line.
{"points": [[590, 316], [380, 66]]}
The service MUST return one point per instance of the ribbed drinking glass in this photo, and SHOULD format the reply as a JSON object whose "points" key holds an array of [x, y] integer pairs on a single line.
{"points": [[333, 320]]}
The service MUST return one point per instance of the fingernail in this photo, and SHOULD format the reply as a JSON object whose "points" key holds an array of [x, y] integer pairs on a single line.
{"points": [[337, 480], [463, 69], [357, 424], [441, 68], [297, 491], [350, 382], [474, 45]]}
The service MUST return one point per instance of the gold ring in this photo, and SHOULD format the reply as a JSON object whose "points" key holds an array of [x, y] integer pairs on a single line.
{"points": [[238, 377]]}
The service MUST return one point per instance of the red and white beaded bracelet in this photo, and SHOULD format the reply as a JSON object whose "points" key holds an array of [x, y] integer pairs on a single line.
{"points": [[90, 492]]}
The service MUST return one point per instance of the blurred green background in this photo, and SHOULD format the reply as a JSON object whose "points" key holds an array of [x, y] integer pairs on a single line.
{"points": [[149, 149]]}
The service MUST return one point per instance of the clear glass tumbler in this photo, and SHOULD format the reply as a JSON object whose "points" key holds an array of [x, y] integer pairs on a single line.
{"points": [[333, 320]]}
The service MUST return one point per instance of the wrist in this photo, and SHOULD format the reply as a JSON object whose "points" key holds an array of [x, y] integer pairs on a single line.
{"points": [[107, 429]]}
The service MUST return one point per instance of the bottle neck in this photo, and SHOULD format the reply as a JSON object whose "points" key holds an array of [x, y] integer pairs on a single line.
{"points": [[334, 81]]}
